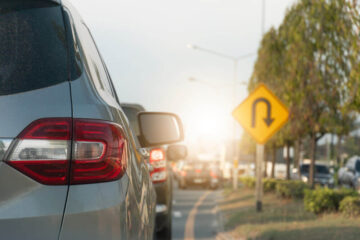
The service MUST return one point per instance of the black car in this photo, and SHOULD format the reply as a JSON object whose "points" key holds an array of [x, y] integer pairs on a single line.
{"points": [[161, 173], [201, 173], [322, 176]]}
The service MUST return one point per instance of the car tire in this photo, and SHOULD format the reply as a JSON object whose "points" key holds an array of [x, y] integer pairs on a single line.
{"points": [[166, 232]]}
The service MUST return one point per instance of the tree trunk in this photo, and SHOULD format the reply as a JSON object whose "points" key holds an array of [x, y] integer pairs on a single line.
{"points": [[297, 151], [338, 150], [273, 162], [312, 159], [332, 150], [287, 159]]}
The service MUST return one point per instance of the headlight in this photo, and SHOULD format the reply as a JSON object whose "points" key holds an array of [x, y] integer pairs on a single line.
{"points": [[304, 178]]}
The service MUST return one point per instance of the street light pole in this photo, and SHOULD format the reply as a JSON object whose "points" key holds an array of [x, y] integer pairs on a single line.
{"points": [[235, 61], [235, 147], [260, 149]]}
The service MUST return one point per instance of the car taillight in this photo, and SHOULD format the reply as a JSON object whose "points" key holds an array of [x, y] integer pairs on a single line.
{"points": [[213, 174], [158, 161], [43, 151], [99, 152]]}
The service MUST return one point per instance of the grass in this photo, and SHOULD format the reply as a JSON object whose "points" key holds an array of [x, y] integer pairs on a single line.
{"points": [[281, 219]]}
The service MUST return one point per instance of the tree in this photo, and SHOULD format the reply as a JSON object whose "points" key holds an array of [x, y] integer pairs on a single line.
{"points": [[312, 63]]}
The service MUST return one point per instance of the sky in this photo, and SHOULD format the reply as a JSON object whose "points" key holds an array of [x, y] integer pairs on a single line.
{"points": [[143, 44]]}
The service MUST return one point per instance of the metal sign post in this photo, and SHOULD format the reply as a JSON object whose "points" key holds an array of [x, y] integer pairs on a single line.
{"points": [[235, 174], [259, 184]]}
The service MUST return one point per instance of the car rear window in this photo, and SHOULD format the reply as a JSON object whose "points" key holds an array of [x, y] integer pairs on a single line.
{"points": [[33, 50], [318, 169]]}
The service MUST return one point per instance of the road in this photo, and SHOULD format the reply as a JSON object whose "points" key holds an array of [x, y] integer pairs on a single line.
{"points": [[195, 214]]}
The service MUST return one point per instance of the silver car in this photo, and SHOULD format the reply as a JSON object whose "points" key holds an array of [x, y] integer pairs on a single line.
{"points": [[69, 168]]}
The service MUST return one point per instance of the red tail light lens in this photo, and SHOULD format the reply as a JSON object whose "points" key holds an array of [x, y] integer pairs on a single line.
{"points": [[100, 152], [158, 161], [42, 151], [213, 174], [183, 173]]}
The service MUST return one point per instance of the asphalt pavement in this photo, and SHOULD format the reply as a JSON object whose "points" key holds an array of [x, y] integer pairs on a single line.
{"points": [[195, 214]]}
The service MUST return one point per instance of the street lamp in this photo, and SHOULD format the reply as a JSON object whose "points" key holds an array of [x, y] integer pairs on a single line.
{"points": [[235, 61], [212, 84]]}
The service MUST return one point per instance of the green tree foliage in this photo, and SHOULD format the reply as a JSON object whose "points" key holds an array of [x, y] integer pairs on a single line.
{"points": [[312, 63]]}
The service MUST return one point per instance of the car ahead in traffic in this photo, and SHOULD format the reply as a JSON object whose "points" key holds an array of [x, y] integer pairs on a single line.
{"points": [[350, 174], [161, 175], [201, 173], [69, 167], [322, 176]]}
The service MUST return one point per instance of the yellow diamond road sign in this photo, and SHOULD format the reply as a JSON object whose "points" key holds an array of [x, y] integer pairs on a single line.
{"points": [[261, 114]]}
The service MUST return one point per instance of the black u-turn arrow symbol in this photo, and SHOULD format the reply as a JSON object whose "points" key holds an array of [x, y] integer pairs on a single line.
{"points": [[268, 120]]}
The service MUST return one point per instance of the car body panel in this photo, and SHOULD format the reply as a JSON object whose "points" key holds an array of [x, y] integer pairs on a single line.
{"points": [[28, 207], [163, 189], [121, 209]]}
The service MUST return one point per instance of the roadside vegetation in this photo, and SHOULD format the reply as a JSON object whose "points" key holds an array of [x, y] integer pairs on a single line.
{"points": [[311, 62], [286, 218]]}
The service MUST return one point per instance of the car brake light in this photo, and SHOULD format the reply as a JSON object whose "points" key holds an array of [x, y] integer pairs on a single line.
{"points": [[213, 174], [43, 151], [99, 154], [158, 161], [183, 173]]}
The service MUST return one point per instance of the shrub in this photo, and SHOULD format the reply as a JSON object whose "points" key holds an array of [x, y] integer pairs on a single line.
{"points": [[291, 189], [350, 206], [342, 193], [248, 182], [325, 200], [270, 184]]}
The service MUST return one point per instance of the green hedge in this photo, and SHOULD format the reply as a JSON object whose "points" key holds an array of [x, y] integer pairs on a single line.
{"points": [[325, 200], [269, 184], [350, 206], [248, 182], [291, 189]]}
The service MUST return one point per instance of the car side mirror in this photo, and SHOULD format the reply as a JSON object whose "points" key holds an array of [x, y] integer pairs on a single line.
{"points": [[176, 152], [159, 128]]}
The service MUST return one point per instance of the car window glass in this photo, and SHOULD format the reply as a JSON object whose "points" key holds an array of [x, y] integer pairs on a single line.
{"points": [[74, 55], [357, 165], [33, 49], [93, 61]]}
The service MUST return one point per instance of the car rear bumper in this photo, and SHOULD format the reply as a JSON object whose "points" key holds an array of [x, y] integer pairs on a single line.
{"points": [[197, 180], [162, 217]]}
